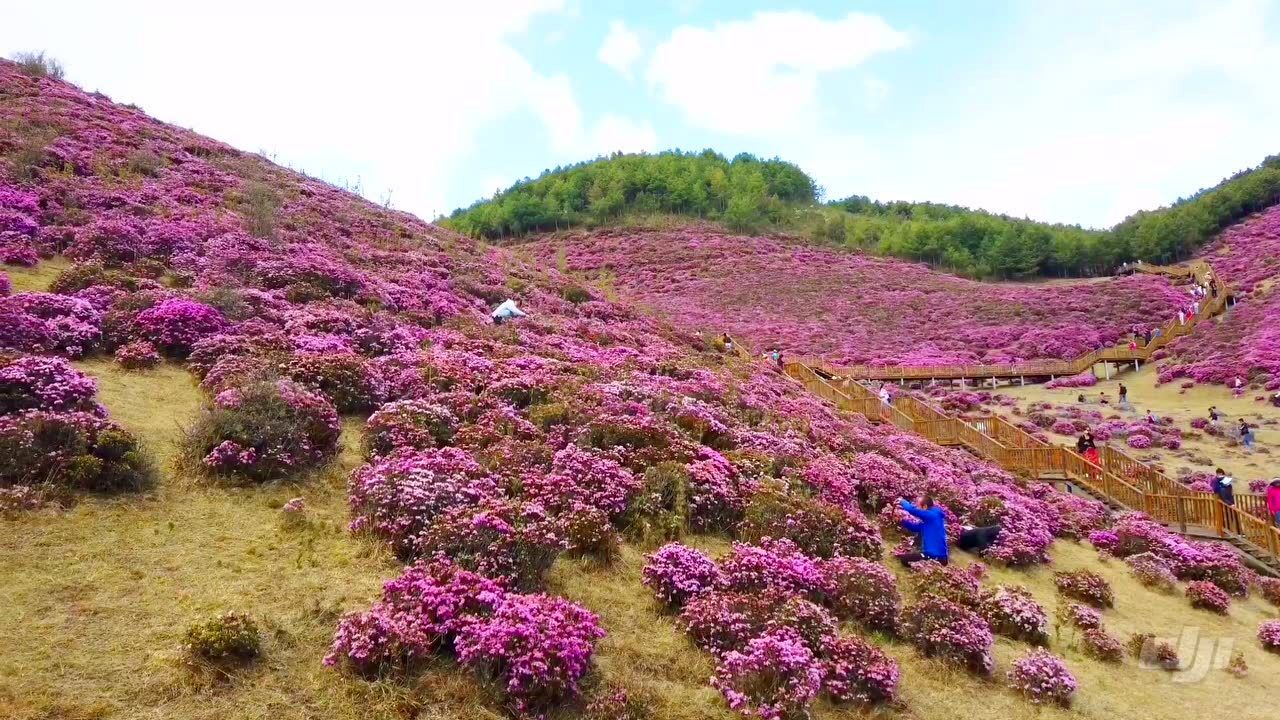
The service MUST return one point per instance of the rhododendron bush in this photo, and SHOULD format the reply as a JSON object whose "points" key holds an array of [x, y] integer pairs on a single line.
{"points": [[491, 451], [849, 308], [1245, 343]]}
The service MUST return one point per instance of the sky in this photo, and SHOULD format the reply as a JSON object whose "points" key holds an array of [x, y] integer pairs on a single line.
{"points": [[1079, 112]]}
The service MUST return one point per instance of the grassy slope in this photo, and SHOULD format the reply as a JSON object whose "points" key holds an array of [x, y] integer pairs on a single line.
{"points": [[96, 599], [1199, 454]]}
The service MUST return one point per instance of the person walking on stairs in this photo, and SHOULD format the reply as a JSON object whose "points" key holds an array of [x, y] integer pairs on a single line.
{"points": [[931, 525], [1222, 487], [1273, 501], [1182, 317]]}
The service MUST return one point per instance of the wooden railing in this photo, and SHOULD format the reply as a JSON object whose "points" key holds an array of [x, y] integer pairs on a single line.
{"points": [[1119, 477], [1169, 332]]}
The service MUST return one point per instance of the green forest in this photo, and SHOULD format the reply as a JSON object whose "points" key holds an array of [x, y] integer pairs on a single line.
{"points": [[744, 193], [747, 194]]}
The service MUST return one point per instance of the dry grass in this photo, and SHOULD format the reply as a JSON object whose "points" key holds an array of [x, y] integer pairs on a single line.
{"points": [[1172, 401], [36, 278], [95, 599]]}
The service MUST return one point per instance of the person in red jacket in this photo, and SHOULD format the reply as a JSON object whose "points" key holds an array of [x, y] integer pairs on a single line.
{"points": [[1273, 500]]}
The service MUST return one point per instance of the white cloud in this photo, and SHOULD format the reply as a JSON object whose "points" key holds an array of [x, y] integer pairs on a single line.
{"points": [[614, 133], [621, 48], [393, 94], [761, 76]]}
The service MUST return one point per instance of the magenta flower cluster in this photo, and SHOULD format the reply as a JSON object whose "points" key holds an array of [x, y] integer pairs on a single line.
{"points": [[901, 313], [45, 383], [1043, 678]]}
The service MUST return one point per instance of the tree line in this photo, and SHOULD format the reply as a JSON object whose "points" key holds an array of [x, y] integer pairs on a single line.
{"points": [[745, 193], [750, 194]]}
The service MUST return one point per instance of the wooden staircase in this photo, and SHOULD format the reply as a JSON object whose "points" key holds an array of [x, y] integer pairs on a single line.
{"points": [[1120, 482]]}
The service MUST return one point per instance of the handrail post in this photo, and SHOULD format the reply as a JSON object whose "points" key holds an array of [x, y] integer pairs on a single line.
{"points": [[1181, 503]]}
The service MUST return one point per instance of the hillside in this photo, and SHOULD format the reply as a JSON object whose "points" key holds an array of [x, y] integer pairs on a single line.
{"points": [[749, 196], [267, 456], [850, 308]]}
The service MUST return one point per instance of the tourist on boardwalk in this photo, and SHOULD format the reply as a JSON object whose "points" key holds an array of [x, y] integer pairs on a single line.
{"points": [[1222, 487], [1086, 446], [776, 356], [1246, 435], [931, 525], [1156, 332], [1273, 501], [1085, 442], [884, 394], [1146, 338], [1182, 317]]}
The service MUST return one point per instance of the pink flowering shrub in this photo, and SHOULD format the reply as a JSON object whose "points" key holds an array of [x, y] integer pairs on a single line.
{"points": [[20, 499], [413, 424], [676, 573], [863, 591], [1243, 343], [858, 672], [137, 355], [1134, 534], [1205, 595], [773, 565], [175, 325], [1139, 442], [1079, 616], [399, 496], [774, 677], [1152, 571], [1086, 586], [45, 383], [537, 647], [420, 613], [818, 528], [71, 451], [579, 476], [1084, 379], [47, 323], [719, 621], [1270, 589], [1011, 611], [905, 313], [1269, 635], [941, 629], [716, 500], [1043, 678], [505, 540], [962, 586], [1101, 645], [341, 377], [266, 431]]}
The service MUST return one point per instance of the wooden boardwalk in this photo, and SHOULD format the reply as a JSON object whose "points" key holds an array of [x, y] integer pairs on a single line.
{"points": [[1120, 481]]}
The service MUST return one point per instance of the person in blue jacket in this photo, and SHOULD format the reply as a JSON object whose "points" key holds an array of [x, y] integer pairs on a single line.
{"points": [[931, 525]]}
